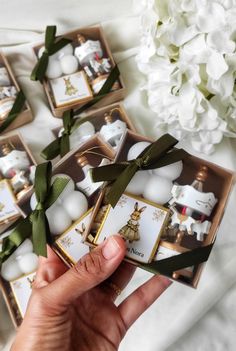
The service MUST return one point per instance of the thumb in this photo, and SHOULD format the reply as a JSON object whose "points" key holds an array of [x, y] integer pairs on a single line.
{"points": [[88, 272]]}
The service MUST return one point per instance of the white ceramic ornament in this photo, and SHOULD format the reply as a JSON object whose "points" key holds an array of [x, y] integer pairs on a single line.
{"points": [[113, 131], [75, 205], [28, 263], [136, 150], [171, 171], [158, 189], [15, 160], [22, 261], [138, 183], [70, 186], [54, 69], [58, 219], [80, 135], [66, 50], [69, 64]]}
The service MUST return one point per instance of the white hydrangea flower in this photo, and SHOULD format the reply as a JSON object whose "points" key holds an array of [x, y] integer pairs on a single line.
{"points": [[188, 55]]}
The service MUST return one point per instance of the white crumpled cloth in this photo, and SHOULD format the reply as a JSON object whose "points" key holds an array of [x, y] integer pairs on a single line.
{"points": [[183, 318]]}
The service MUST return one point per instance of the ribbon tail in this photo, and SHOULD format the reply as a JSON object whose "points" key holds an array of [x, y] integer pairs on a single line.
{"points": [[120, 184], [169, 158], [64, 144], [172, 264], [39, 70], [39, 232], [21, 232], [107, 173], [52, 150], [16, 109]]}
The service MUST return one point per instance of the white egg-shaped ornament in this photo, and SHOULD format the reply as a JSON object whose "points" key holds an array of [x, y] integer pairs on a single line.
{"points": [[69, 64], [75, 204], [80, 135], [51, 57], [136, 150], [70, 186], [28, 263], [66, 50], [137, 184], [23, 249], [171, 171], [54, 69], [58, 220], [158, 189], [10, 270]]}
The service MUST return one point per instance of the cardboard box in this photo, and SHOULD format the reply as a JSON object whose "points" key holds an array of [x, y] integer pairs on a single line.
{"points": [[25, 115], [16, 140], [97, 117], [67, 165], [94, 33], [219, 182]]}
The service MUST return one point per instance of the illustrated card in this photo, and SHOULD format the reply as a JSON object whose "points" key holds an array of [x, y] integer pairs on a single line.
{"points": [[21, 289], [139, 222], [8, 210], [70, 241], [70, 88]]}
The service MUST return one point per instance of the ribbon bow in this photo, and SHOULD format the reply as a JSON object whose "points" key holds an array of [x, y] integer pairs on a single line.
{"points": [[15, 110], [51, 47], [61, 145], [158, 154], [36, 223]]}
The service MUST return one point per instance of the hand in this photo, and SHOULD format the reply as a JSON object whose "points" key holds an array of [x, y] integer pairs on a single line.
{"points": [[74, 309]]}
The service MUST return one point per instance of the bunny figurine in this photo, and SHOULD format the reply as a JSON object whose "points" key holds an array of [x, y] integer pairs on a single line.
{"points": [[131, 230]]}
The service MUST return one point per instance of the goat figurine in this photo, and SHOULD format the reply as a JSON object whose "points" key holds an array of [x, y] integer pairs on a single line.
{"points": [[130, 231]]}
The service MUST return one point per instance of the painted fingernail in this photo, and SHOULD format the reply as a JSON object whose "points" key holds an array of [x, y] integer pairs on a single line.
{"points": [[111, 248]]}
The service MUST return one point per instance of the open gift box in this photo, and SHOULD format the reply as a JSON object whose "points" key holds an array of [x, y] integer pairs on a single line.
{"points": [[16, 171], [71, 91], [68, 229], [111, 122], [8, 90], [67, 232], [16, 280], [155, 234]]}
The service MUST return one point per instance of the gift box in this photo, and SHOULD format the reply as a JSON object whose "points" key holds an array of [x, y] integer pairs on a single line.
{"points": [[17, 286], [160, 238], [71, 91], [8, 91], [16, 169], [92, 153], [110, 122]]}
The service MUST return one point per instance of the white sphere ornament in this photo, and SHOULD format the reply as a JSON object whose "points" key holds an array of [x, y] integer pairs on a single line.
{"points": [[69, 64], [28, 263], [10, 270], [70, 186], [23, 249], [66, 50], [54, 69], [75, 205], [137, 184], [136, 150], [158, 189], [58, 220], [171, 171]]}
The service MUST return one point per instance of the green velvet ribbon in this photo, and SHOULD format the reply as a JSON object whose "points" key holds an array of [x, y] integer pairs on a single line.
{"points": [[172, 264], [158, 154], [36, 223], [51, 47], [61, 145], [15, 110]]}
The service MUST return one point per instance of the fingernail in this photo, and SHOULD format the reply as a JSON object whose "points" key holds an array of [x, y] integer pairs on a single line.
{"points": [[110, 249]]}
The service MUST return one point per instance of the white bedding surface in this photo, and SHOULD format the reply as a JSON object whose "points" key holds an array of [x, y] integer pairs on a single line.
{"points": [[183, 318]]}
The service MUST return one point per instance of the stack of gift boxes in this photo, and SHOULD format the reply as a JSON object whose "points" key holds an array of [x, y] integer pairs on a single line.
{"points": [[163, 212]]}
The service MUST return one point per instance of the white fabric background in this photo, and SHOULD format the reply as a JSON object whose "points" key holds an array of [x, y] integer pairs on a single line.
{"points": [[183, 318]]}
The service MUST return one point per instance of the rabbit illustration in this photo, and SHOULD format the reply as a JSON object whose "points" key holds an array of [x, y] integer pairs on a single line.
{"points": [[70, 89], [82, 230], [131, 230]]}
